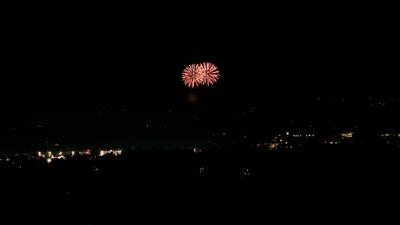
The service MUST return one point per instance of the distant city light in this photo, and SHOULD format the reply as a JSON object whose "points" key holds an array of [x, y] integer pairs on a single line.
{"points": [[390, 135], [201, 170], [347, 135], [197, 150], [115, 152], [273, 146], [245, 173], [87, 152], [49, 160]]}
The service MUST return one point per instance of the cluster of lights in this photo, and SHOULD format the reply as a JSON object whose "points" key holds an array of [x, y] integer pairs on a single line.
{"points": [[391, 138], [245, 173], [300, 135], [331, 142], [197, 150], [86, 152], [288, 140], [49, 156], [273, 146], [276, 145], [347, 135], [269, 146], [202, 170], [390, 135], [115, 152]]}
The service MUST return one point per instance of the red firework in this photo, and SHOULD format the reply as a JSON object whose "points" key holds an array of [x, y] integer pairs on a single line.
{"points": [[209, 73], [191, 77], [200, 74]]}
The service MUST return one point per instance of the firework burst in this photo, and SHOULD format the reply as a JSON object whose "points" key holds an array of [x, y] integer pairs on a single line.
{"points": [[196, 75], [191, 77], [209, 73]]}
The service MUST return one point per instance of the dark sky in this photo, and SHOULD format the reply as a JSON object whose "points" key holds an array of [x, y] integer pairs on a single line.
{"points": [[115, 79]]}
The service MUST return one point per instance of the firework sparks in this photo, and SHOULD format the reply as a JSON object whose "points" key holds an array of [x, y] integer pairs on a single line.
{"points": [[196, 75], [191, 77], [209, 73]]}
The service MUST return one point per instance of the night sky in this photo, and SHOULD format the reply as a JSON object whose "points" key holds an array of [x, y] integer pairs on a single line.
{"points": [[115, 81]]}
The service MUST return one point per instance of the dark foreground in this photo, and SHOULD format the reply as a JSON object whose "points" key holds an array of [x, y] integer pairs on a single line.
{"points": [[314, 184]]}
